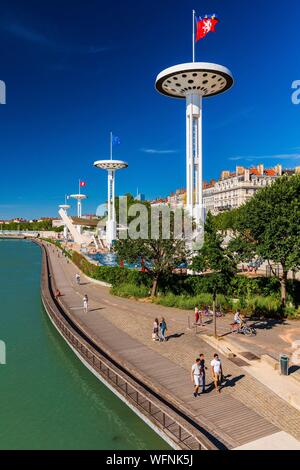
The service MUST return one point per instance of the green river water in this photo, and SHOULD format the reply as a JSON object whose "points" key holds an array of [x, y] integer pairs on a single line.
{"points": [[48, 399]]}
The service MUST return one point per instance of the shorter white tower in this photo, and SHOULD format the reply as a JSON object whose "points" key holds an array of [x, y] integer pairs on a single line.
{"points": [[111, 166], [65, 207], [79, 198]]}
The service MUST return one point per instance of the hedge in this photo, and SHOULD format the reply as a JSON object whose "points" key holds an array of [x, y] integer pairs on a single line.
{"points": [[113, 275]]}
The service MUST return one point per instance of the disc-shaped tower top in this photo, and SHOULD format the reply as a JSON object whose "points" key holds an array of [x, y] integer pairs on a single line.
{"points": [[78, 196], [64, 206], [200, 78], [110, 164]]}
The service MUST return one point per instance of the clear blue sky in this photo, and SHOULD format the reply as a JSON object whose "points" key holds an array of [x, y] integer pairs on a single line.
{"points": [[75, 70]]}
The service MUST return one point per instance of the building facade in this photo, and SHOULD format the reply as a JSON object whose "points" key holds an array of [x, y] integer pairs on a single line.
{"points": [[231, 190], [235, 188]]}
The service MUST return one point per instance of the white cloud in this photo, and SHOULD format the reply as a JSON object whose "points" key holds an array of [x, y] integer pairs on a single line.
{"points": [[157, 151]]}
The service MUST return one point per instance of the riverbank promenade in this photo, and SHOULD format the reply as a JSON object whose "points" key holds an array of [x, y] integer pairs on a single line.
{"points": [[245, 414]]}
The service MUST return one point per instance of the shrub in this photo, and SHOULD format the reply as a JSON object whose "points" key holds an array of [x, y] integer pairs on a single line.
{"points": [[130, 290], [184, 301], [269, 306], [113, 275], [291, 312]]}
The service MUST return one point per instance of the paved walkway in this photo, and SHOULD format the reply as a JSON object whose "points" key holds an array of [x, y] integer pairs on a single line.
{"points": [[273, 337], [245, 411]]}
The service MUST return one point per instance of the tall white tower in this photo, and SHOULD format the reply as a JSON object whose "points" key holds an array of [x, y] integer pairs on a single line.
{"points": [[193, 82], [111, 166]]}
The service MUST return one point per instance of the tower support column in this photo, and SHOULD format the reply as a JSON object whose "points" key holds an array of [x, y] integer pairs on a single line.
{"points": [[194, 196], [113, 208]]}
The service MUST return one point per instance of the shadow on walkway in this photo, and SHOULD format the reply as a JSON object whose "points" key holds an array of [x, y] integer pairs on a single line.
{"points": [[230, 382], [267, 324], [293, 369], [175, 335]]}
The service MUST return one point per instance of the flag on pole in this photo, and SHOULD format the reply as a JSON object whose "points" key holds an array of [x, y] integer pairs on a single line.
{"points": [[205, 25], [82, 184], [115, 140]]}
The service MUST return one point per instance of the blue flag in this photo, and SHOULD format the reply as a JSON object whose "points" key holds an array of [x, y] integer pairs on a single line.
{"points": [[115, 140]]}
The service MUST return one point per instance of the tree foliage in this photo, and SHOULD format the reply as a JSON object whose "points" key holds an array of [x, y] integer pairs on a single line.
{"points": [[268, 224], [215, 258], [160, 257]]}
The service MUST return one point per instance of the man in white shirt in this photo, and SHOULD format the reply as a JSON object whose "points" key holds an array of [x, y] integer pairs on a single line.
{"points": [[216, 372], [196, 376]]}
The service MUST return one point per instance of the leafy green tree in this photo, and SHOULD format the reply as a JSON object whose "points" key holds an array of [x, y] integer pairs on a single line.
{"points": [[215, 261], [226, 220], [160, 257], [152, 242], [269, 225]]}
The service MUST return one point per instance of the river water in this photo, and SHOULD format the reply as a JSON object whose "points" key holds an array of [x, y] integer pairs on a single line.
{"points": [[48, 399]]}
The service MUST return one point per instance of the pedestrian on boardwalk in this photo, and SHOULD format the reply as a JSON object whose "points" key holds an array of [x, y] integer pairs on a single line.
{"points": [[216, 372], [85, 304], [162, 329], [57, 293], [196, 376], [201, 315], [77, 276], [197, 316], [203, 369], [155, 330]]}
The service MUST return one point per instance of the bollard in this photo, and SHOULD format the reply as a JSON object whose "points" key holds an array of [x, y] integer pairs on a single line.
{"points": [[284, 364]]}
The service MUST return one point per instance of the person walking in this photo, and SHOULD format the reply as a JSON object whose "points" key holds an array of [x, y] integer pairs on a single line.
{"points": [[203, 369], [197, 316], [162, 329], [216, 372], [77, 276], [196, 376], [155, 330], [85, 303]]}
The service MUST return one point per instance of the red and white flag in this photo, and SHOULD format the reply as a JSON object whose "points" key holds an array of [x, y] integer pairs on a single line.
{"points": [[205, 25], [82, 184]]}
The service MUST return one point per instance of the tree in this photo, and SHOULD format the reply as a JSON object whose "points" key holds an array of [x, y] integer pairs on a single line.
{"points": [[150, 239], [160, 257], [216, 259], [269, 224]]}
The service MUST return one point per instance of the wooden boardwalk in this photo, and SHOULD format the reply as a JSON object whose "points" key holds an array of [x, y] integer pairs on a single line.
{"points": [[231, 421]]}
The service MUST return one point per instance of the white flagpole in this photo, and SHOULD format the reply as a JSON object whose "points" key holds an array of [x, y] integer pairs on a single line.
{"points": [[111, 145], [194, 35], [79, 186]]}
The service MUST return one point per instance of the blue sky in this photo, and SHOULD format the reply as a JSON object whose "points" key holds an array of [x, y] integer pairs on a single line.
{"points": [[75, 70]]}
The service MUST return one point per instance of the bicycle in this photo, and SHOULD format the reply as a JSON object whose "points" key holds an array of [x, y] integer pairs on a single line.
{"points": [[210, 313], [243, 329]]}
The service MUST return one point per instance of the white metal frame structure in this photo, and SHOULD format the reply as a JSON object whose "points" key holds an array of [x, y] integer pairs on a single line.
{"points": [[65, 207]]}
